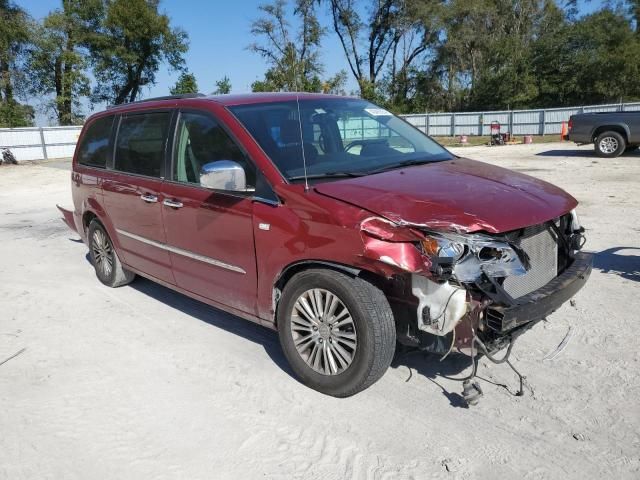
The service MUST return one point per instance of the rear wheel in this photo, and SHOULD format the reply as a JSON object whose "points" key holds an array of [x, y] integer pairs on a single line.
{"points": [[105, 260], [336, 331], [610, 144]]}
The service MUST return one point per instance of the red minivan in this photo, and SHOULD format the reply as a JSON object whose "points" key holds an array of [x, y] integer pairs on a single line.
{"points": [[329, 219]]}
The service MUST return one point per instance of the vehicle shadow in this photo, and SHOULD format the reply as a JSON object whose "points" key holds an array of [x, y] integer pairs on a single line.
{"points": [[581, 153], [626, 266], [566, 153], [253, 332]]}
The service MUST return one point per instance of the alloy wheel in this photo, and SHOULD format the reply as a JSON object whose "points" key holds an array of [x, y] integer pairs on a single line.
{"points": [[323, 331], [609, 145], [102, 253]]}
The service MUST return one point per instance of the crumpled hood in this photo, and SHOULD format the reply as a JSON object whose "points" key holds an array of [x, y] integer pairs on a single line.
{"points": [[461, 195]]}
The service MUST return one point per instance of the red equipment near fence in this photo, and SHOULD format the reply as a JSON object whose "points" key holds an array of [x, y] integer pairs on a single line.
{"points": [[496, 136]]}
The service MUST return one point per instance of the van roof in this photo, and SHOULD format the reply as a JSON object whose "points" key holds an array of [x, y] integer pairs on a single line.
{"points": [[226, 100]]}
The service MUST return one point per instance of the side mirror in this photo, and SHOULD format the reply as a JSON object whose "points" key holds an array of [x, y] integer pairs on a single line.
{"points": [[223, 175]]}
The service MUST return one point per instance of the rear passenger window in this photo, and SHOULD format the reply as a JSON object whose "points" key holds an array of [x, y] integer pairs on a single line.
{"points": [[93, 149], [141, 143]]}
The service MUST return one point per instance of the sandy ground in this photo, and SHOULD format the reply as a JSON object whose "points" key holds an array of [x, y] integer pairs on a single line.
{"points": [[140, 382]]}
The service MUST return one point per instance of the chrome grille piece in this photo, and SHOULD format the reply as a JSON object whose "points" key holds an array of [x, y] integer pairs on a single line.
{"points": [[541, 246]]}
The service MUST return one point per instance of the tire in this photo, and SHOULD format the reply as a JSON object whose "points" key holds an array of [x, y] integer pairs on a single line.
{"points": [[353, 349], [104, 258], [610, 144]]}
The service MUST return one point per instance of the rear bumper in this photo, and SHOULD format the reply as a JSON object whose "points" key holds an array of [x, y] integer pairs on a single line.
{"points": [[544, 301], [68, 218]]}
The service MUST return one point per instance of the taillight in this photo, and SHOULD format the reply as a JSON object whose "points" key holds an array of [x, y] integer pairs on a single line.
{"points": [[570, 123]]}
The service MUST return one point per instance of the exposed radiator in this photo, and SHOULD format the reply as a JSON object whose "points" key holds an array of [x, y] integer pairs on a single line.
{"points": [[541, 246]]}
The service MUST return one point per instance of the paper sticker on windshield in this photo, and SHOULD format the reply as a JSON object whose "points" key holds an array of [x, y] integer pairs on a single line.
{"points": [[320, 111], [377, 112]]}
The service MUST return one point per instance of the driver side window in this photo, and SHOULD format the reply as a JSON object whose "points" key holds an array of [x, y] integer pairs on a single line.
{"points": [[201, 140]]}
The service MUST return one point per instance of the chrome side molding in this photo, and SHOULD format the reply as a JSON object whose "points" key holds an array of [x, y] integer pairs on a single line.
{"points": [[184, 253]]}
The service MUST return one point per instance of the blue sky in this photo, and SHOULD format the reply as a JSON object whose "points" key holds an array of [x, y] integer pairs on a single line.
{"points": [[218, 36]]}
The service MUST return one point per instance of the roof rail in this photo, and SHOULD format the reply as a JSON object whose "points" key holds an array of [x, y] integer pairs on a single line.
{"points": [[167, 97]]}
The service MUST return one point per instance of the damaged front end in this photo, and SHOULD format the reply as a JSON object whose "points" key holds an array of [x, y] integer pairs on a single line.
{"points": [[457, 289]]}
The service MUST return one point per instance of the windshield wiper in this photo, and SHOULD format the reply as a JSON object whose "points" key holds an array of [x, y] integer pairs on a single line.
{"points": [[329, 175], [405, 163]]}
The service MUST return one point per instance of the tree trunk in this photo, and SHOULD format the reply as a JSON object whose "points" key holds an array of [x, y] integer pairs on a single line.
{"points": [[67, 86], [59, 89], [5, 76]]}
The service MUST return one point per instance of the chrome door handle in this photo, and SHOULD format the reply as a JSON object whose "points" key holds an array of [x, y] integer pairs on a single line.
{"points": [[148, 198], [172, 203]]}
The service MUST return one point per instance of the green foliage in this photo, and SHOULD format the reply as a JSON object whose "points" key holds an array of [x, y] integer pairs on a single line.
{"points": [[409, 55], [498, 54], [605, 50], [14, 114], [15, 35], [186, 84], [129, 47], [58, 61], [223, 86]]}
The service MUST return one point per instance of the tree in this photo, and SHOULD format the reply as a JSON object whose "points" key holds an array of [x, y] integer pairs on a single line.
{"points": [[223, 86], [14, 114], [15, 35], [186, 84], [604, 46], [128, 49], [366, 59], [58, 60], [293, 57], [418, 25]]}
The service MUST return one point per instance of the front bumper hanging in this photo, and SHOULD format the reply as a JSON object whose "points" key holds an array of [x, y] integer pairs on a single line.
{"points": [[544, 301]]}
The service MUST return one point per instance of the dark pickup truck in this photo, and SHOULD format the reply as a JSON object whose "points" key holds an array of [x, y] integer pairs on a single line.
{"points": [[612, 133]]}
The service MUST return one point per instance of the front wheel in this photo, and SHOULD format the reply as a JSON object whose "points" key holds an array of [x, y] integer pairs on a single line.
{"points": [[610, 144], [105, 260], [336, 331]]}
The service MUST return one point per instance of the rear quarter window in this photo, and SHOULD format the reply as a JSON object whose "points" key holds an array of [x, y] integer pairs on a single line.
{"points": [[140, 146], [93, 150]]}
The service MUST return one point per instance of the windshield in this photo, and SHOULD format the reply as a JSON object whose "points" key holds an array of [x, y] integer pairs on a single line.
{"points": [[340, 137]]}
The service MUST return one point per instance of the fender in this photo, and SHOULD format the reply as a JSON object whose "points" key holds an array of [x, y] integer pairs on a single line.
{"points": [[284, 275], [91, 205], [608, 125], [336, 266]]}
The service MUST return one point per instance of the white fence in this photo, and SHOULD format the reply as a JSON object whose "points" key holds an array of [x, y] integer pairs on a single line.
{"points": [[45, 143], [518, 122], [42, 143]]}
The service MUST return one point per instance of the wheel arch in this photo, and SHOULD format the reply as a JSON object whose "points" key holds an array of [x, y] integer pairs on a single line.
{"points": [[302, 265], [87, 218], [620, 128], [290, 270], [93, 211]]}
